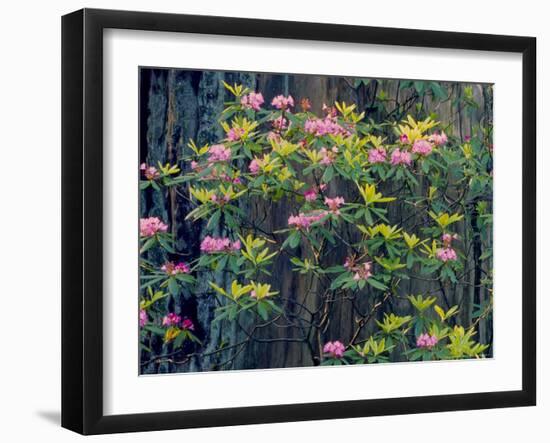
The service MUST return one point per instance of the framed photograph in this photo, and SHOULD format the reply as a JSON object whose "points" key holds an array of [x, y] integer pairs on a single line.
{"points": [[270, 221]]}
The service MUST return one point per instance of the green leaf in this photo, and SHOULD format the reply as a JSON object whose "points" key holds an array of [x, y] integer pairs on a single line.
{"points": [[173, 286], [438, 91], [148, 245], [164, 243], [214, 219], [294, 239], [155, 330], [419, 86], [329, 173], [376, 284], [340, 280], [262, 311], [179, 340]]}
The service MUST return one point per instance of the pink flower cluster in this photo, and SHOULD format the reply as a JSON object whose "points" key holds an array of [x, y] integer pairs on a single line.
{"points": [[218, 153], [151, 226], [377, 155], [220, 200], [404, 139], [401, 158], [173, 319], [361, 271], [235, 134], [254, 166], [213, 245], [330, 111], [334, 204], [438, 139], [328, 156], [252, 101], [447, 253], [312, 193], [304, 221], [426, 341], [282, 102], [143, 318], [272, 135], [305, 104], [173, 269], [150, 172], [448, 238], [422, 147], [335, 349], [326, 126], [280, 123], [187, 324]]}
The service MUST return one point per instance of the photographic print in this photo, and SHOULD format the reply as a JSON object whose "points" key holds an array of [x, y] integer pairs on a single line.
{"points": [[292, 220]]}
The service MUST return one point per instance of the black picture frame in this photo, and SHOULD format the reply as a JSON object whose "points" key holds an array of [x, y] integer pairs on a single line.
{"points": [[82, 232]]}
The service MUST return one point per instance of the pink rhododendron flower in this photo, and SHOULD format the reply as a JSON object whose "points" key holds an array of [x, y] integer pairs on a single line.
{"points": [[304, 221], [143, 318], [446, 254], [422, 147], [252, 101], [328, 156], [404, 138], [151, 226], [194, 165], [330, 111], [305, 104], [272, 135], [235, 134], [400, 157], [438, 139], [150, 172], [448, 238], [362, 271], [280, 123], [335, 349], [212, 245], [282, 102], [334, 204], [187, 324], [426, 341], [326, 126], [310, 126], [172, 269], [171, 319], [218, 153], [254, 167], [377, 155], [310, 195]]}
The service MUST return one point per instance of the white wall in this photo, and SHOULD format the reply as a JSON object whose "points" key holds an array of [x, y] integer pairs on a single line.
{"points": [[30, 226]]}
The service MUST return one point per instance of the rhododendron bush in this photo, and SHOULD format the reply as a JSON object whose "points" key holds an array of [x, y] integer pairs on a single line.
{"points": [[302, 233]]}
